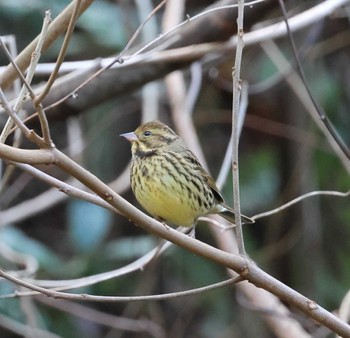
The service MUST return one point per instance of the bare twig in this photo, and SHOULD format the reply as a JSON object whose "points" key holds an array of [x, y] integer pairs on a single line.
{"points": [[30, 134], [34, 61], [36, 204], [29, 262], [139, 29], [216, 223], [194, 87], [299, 199], [52, 197], [38, 99], [227, 162], [237, 87], [16, 68], [75, 14], [328, 124], [71, 284], [93, 298], [41, 142], [296, 84]]}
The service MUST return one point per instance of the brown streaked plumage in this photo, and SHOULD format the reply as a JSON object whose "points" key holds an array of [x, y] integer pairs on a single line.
{"points": [[168, 180]]}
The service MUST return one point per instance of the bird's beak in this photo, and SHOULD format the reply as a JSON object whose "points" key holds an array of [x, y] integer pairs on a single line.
{"points": [[129, 136]]}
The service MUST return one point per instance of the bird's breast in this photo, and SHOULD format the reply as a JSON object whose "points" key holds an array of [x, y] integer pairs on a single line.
{"points": [[170, 188]]}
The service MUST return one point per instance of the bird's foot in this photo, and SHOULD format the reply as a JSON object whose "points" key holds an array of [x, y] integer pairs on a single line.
{"points": [[192, 232], [161, 220]]}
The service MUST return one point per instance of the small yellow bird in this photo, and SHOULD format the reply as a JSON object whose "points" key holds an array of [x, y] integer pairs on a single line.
{"points": [[168, 180]]}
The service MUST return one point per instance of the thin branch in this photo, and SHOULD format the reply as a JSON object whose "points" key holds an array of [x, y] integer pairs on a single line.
{"points": [[296, 84], [297, 22], [75, 14], [194, 87], [28, 261], [44, 124], [38, 202], [70, 284], [177, 91], [16, 68], [299, 199], [60, 192], [30, 134], [88, 297], [37, 100], [190, 19], [41, 142], [138, 30], [328, 124], [237, 87], [34, 61], [227, 162]]}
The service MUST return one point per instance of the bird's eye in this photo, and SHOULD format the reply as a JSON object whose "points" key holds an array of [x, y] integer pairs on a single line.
{"points": [[147, 133]]}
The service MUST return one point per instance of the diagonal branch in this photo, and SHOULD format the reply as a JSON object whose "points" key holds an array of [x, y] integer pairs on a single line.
{"points": [[30, 134], [322, 114]]}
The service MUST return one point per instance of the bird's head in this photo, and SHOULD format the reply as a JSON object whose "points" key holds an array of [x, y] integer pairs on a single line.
{"points": [[150, 137]]}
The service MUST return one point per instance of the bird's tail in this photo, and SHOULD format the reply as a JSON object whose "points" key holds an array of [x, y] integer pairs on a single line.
{"points": [[229, 215]]}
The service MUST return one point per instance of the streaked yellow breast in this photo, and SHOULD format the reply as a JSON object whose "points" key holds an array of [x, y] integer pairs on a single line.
{"points": [[165, 193]]}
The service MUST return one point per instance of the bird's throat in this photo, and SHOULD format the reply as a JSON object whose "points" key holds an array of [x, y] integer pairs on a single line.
{"points": [[143, 153]]}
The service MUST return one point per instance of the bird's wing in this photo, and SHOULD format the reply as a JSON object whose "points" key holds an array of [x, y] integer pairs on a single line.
{"points": [[212, 186], [208, 179]]}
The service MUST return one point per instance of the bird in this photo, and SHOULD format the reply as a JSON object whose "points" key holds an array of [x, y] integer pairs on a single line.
{"points": [[168, 180]]}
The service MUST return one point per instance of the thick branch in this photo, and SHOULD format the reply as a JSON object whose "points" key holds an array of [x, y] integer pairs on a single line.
{"points": [[29, 156]]}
